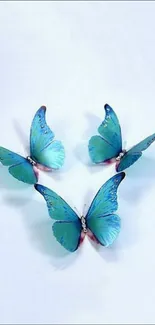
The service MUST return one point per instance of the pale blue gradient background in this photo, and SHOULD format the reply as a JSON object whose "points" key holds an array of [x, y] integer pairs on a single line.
{"points": [[74, 57]]}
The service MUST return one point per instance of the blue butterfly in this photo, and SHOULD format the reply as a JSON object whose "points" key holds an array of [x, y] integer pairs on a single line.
{"points": [[100, 223], [45, 152], [107, 147]]}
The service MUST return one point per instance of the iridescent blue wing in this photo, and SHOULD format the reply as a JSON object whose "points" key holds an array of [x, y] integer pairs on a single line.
{"points": [[105, 229], [127, 160], [43, 148], [110, 128], [53, 156], [24, 172], [109, 144], [68, 229], [101, 220], [105, 201], [68, 234], [19, 168], [58, 209], [99, 150], [40, 133], [134, 153]]}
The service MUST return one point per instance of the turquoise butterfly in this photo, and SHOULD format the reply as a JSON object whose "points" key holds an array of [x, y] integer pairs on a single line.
{"points": [[107, 147], [45, 152], [100, 223]]}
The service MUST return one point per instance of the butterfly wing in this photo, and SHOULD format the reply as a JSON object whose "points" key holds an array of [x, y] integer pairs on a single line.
{"points": [[134, 153], [44, 149], [67, 229], [19, 168], [127, 160], [101, 220], [68, 234], [109, 144], [99, 150]]}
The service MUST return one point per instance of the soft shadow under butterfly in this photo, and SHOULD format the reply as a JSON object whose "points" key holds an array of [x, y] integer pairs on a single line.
{"points": [[107, 148], [100, 222], [45, 152]]}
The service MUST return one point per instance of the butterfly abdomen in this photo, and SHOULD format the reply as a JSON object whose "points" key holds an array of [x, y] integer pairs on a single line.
{"points": [[110, 161], [92, 237], [82, 237]]}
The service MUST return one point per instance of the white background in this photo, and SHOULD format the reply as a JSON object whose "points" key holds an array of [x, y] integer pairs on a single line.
{"points": [[74, 57]]}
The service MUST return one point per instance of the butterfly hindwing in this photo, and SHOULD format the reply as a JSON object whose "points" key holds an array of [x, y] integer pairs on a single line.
{"points": [[68, 234], [100, 150], [109, 144], [134, 153], [44, 149], [19, 168], [67, 229], [105, 229], [101, 220], [24, 172], [52, 156]]}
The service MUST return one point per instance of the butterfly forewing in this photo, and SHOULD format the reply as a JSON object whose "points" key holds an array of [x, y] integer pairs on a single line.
{"points": [[105, 201], [101, 220], [43, 148], [68, 229], [19, 168], [110, 129], [109, 144], [134, 153]]}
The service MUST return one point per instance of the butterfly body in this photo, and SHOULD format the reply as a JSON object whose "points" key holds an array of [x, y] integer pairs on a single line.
{"points": [[84, 224], [31, 161], [107, 147], [100, 223], [121, 155], [86, 232], [45, 152]]}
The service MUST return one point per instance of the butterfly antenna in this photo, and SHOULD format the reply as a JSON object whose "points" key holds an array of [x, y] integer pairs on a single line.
{"points": [[84, 209], [79, 214], [124, 144]]}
